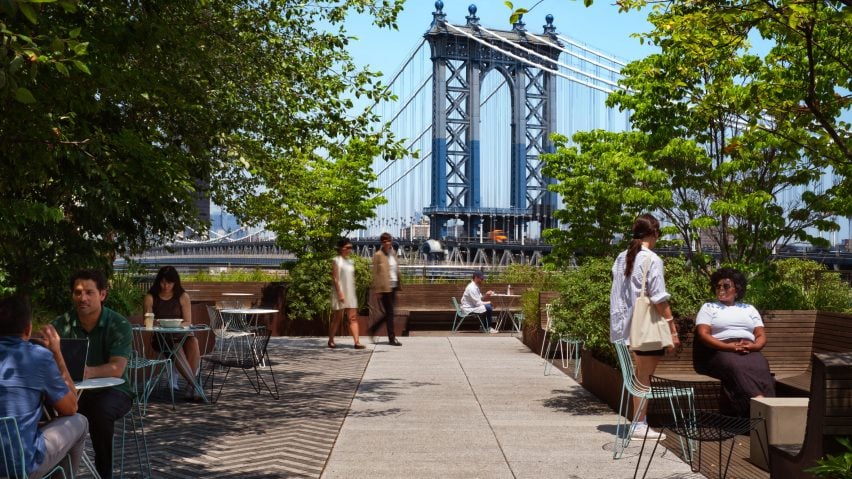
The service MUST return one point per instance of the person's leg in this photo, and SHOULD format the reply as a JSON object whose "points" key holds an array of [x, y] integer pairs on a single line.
{"points": [[353, 325], [333, 326], [102, 409], [63, 439], [388, 300], [645, 366], [489, 312]]}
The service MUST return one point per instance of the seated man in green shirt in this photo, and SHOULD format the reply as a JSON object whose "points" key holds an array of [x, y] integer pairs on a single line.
{"points": [[110, 343]]}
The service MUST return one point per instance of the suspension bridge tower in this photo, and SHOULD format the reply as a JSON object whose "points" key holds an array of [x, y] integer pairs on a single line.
{"points": [[461, 57]]}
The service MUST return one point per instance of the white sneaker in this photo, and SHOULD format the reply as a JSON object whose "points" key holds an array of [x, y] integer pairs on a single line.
{"points": [[639, 433], [492, 331]]}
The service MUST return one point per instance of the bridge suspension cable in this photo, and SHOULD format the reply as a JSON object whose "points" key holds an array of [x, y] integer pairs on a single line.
{"points": [[546, 58], [528, 62]]}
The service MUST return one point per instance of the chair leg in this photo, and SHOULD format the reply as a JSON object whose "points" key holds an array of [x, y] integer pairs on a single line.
{"points": [[619, 444], [144, 463], [546, 355]]}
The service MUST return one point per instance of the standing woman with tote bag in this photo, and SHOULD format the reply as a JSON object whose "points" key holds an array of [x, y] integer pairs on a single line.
{"points": [[627, 283]]}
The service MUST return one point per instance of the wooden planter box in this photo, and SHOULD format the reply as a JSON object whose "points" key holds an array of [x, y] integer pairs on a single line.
{"points": [[602, 380]]}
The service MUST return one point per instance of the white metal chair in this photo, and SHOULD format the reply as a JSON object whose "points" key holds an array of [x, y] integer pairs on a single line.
{"points": [[139, 440], [570, 350], [460, 316], [12, 451]]}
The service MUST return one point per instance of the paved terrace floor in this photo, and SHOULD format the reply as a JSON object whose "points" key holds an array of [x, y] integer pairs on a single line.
{"points": [[464, 406]]}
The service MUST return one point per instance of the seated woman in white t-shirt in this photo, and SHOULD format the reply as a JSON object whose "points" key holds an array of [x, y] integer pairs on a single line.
{"points": [[730, 335]]}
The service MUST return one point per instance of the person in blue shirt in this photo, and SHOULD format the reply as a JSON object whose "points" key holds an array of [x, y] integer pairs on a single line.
{"points": [[29, 373]]}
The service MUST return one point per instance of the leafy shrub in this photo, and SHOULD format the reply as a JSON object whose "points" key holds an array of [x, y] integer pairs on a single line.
{"points": [[838, 466], [799, 284], [124, 295], [583, 307], [309, 292]]}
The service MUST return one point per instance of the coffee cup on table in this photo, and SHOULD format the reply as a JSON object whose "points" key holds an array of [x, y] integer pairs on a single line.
{"points": [[149, 320]]}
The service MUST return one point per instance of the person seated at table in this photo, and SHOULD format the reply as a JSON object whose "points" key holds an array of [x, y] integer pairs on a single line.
{"points": [[30, 373], [167, 299], [730, 336], [472, 302], [110, 344]]}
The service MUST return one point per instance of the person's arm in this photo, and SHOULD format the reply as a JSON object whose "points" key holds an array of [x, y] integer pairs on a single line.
{"points": [[148, 304], [704, 334], [186, 308], [376, 268], [50, 339], [665, 311], [335, 280], [758, 344], [114, 368]]}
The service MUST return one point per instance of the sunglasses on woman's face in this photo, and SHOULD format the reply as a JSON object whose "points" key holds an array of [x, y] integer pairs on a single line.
{"points": [[724, 286]]}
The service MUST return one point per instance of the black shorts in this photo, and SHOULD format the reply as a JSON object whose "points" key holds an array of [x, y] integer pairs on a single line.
{"points": [[655, 352]]}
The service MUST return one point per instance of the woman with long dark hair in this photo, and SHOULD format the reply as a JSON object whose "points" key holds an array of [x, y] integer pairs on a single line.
{"points": [[167, 299], [627, 274]]}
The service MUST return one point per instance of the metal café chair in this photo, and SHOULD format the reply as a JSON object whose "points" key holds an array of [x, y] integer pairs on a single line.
{"points": [[696, 418], [145, 373], [631, 387], [460, 317], [571, 349], [12, 452]]}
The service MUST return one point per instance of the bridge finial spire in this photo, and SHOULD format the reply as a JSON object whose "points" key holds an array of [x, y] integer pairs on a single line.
{"points": [[472, 19], [549, 28], [438, 16]]}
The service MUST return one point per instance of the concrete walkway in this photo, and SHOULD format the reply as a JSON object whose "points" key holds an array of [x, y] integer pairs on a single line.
{"points": [[478, 406]]}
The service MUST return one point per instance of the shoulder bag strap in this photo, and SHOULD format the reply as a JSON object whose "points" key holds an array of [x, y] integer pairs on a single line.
{"points": [[645, 267]]}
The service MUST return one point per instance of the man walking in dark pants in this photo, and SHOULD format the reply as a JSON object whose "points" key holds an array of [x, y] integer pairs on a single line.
{"points": [[110, 343], [386, 281]]}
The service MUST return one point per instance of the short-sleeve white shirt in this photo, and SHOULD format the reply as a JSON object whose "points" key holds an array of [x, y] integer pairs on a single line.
{"points": [[730, 322], [625, 291]]}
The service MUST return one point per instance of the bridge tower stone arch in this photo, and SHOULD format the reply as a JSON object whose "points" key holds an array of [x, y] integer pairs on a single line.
{"points": [[461, 57]]}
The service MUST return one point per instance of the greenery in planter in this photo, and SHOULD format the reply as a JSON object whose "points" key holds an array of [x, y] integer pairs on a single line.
{"points": [[244, 275], [583, 307], [537, 280], [123, 295], [837, 466], [799, 284]]}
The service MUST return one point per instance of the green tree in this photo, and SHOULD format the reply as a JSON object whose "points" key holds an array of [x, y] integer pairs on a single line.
{"points": [[237, 99], [706, 154]]}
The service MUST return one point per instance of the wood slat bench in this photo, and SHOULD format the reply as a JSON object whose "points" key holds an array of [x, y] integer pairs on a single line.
{"points": [[792, 337], [212, 292], [428, 306], [829, 417]]}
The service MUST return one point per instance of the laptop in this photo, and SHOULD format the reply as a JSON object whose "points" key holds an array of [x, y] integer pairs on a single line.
{"points": [[75, 351]]}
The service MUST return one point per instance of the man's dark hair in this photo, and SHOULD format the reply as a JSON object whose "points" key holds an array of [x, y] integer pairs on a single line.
{"points": [[385, 237], [95, 275], [15, 316]]}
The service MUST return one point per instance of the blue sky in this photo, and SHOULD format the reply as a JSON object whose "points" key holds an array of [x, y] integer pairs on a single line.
{"points": [[599, 26]]}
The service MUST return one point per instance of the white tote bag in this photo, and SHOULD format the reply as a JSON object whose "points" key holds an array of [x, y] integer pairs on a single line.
{"points": [[648, 330]]}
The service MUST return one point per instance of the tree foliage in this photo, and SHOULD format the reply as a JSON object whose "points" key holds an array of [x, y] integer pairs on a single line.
{"points": [[714, 151], [248, 101]]}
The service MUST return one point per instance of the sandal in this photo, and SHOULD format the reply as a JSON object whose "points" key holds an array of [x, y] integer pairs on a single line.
{"points": [[360, 346], [331, 344]]}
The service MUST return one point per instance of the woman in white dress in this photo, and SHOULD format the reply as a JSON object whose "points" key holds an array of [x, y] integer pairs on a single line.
{"points": [[343, 298]]}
